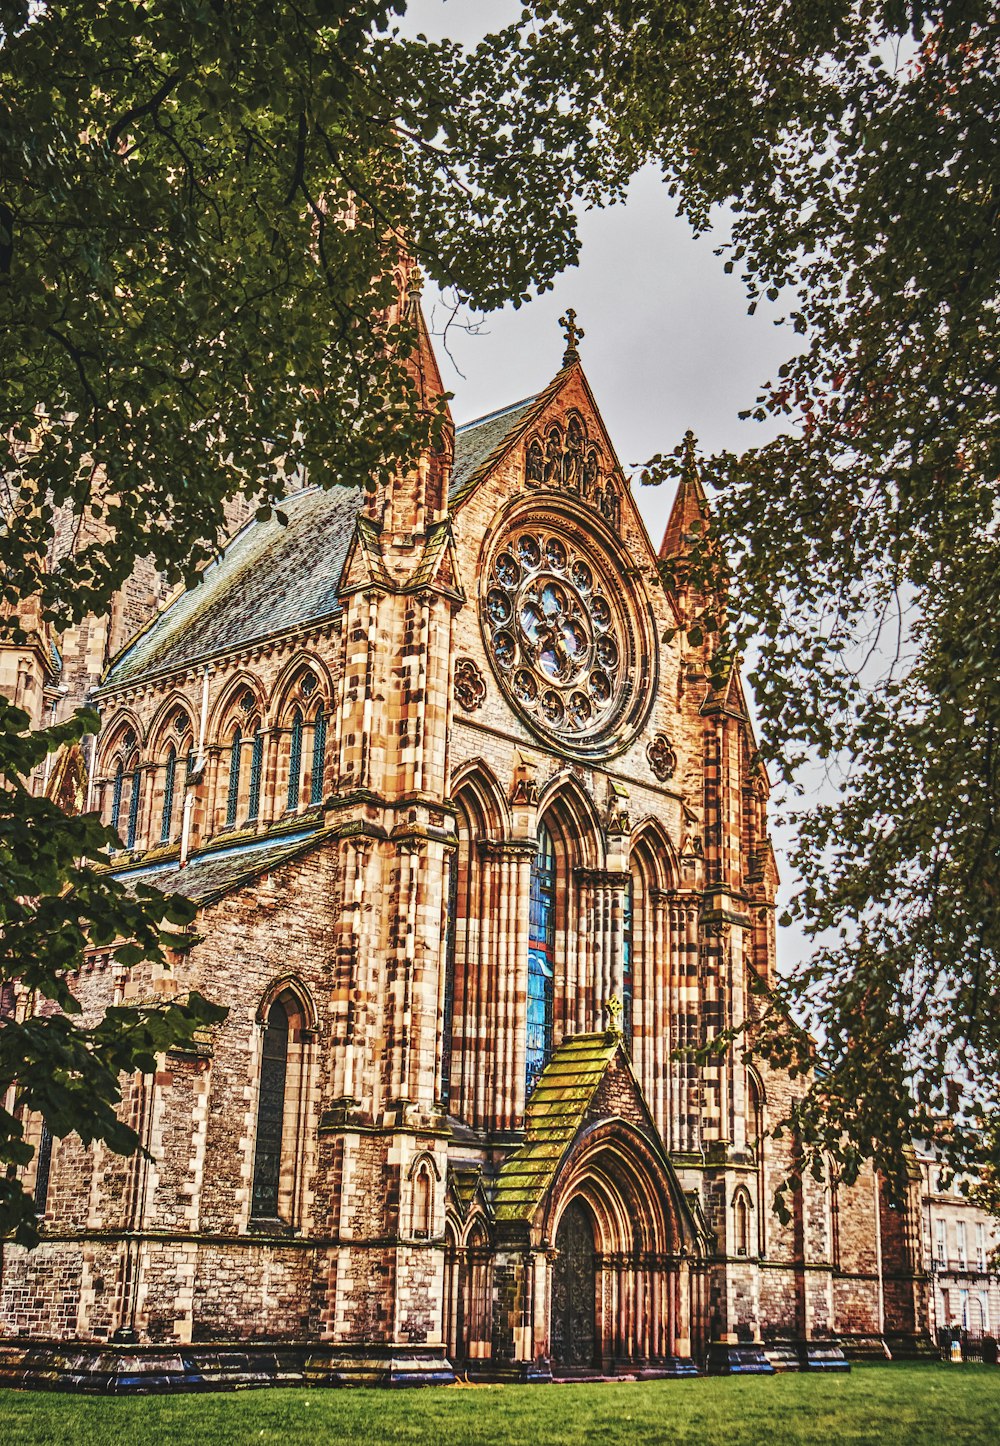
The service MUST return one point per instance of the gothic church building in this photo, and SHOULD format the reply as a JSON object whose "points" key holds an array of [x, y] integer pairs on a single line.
{"points": [[475, 849]]}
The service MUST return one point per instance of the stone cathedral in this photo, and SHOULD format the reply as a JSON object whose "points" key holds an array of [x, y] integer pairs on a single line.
{"points": [[476, 849]]}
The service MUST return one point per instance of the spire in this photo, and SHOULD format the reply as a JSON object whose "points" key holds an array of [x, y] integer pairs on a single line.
{"points": [[573, 334], [690, 505], [426, 372]]}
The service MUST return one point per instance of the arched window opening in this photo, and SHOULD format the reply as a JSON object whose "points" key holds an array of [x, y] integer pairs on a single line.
{"points": [[295, 760], [233, 796], [318, 758], [256, 769], [448, 1000], [741, 1232], [270, 1114], [628, 915], [169, 779], [541, 960], [479, 1342], [133, 805], [43, 1168], [116, 795], [423, 1202]]}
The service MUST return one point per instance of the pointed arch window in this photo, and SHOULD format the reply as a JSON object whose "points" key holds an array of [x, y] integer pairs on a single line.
{"points": [[133, 805], [541, 964], [295, 760], [43, 1168], [116, 796], [270, 1114], [628, 915], [256, 769], [233, 796], [318, 757], [741, 1222], [169, 780], [448, 1003]]}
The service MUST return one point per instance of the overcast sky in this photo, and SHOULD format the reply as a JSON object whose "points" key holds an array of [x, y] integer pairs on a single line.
{"points": [[668, 344]]}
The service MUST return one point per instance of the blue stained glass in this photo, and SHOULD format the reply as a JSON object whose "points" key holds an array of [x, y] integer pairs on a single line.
{"points": [[627, 916], [256, 766], [116, 797], [233, 797], [319, 758], [295, 761], [541, 942], [133, 808], [169, 776]]}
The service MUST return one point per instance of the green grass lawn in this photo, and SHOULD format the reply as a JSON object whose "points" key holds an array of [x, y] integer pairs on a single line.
{"points": [[887, 1404]]}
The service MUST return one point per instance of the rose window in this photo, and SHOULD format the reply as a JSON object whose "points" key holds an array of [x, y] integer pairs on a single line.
{"points": [[559, 628]]}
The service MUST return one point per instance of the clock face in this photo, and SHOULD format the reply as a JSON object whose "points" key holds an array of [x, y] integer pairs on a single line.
{"points": [[561, 632]]}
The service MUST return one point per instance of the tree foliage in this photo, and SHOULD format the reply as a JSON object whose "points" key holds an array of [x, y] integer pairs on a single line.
{"points": [[201, 214], [202, 205], [855, 146], [57, 900]]}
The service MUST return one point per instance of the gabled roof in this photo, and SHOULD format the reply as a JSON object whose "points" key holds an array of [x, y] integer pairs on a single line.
{"points": [[556, 1111], [271, 577], [210, 875], [477, 442]]}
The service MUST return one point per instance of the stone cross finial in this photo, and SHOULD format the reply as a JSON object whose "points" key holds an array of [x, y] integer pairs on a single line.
{"points": [[613, 1009], [573, 333]]}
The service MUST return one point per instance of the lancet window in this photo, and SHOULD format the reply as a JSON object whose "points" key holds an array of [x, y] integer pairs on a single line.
{"points": [[233, 796], [270, 1113], [318, 757], [256, 771], [43, 1168], [169, 781], [133, 805], [541, 959], [628, 913], [295, 760], [116, 794]]}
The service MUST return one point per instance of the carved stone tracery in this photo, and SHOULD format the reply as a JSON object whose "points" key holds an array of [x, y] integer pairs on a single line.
{"points": [[470, 688]]}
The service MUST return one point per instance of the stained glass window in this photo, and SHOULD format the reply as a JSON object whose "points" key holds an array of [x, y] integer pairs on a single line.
{"points": [[256, 766], [233, 797], [627, 966], [270, 1114], [541, 942], [133, 807], [318, 758], [42, 1169], [295, 761], [169, 776], [116, 797]]}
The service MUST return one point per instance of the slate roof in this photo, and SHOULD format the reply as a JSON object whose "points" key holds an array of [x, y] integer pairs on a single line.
{"points": [[476, 442], [556, 1111], [271, 577], [209, 876]]}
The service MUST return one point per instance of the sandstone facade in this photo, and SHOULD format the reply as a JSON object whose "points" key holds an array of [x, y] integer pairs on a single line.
{"points": [[476, 848]]}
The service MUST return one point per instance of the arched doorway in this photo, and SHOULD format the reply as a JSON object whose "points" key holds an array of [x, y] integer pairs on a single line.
{"points": [[574, 1291]]}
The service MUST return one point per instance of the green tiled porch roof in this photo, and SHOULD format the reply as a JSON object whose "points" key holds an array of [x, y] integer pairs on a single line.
{"points": [[556, 1111]]}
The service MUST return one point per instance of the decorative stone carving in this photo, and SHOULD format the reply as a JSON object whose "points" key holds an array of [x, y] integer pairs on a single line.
{"points": [[563, 635], [662, 758], [619, 821], [470, 689], [572, 464]]}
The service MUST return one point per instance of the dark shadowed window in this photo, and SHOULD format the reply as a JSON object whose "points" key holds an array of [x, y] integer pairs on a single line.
{"points": [[133, 806], [233, 797], [116, 797], [169, 777], [295, 761], [541, 941], [256, 768], [270, 1114], [319, 758], [448, 1010], [42, 1169]]}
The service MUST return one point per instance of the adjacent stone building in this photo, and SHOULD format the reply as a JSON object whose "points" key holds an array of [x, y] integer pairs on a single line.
{"points": [[476, 848]]}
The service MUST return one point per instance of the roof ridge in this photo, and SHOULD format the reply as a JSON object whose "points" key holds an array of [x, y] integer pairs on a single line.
{"points": [[500, 412]]}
